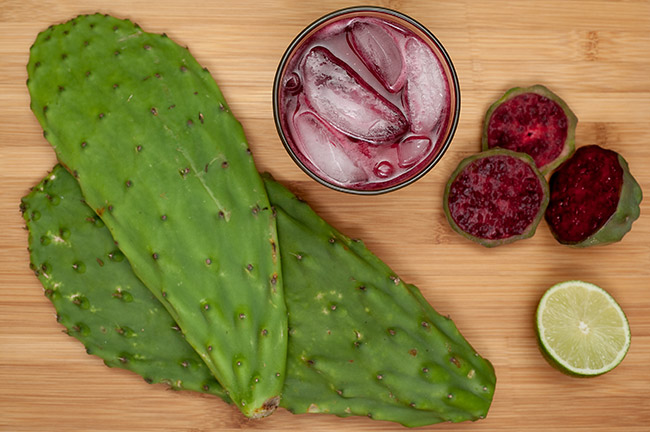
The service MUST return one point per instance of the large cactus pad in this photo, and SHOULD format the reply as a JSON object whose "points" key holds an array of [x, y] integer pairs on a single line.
{"points": [[96, 295], [159, 157], [361, 340]]}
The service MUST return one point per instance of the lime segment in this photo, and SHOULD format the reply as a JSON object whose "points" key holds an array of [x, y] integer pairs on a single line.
{"points": [[581, 329]]}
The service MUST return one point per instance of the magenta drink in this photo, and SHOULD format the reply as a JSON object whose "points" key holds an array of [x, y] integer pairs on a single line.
{"points": [[366, 100]]}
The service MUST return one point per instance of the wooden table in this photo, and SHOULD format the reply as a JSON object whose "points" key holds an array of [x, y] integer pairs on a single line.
{"points": [[595, 54]]}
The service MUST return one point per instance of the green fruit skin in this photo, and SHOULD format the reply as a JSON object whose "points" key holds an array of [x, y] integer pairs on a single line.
{"points": [[489, 243], [352, 319], [160, 158], [363, 342], [569, 145], [96, 295], [620, 223]]}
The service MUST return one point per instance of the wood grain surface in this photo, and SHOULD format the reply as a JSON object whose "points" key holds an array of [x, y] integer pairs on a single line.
{"points": [[595, 54]]}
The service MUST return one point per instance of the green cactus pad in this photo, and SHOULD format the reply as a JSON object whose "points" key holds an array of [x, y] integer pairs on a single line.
{"points": [[594, 198], [96, 295], [532, 120], [496, 197], [160, 158], [363, 342], [369, 345]]}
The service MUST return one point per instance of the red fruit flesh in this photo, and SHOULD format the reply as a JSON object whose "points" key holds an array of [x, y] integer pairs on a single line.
{"points": [[495, 197], [529, 123], [585, 192]]}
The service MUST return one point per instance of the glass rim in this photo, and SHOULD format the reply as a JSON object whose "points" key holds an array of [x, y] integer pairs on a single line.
{"points": [[453, 78]]}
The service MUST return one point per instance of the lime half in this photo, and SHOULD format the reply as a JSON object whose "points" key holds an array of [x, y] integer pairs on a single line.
{"points": [[581, 329]]}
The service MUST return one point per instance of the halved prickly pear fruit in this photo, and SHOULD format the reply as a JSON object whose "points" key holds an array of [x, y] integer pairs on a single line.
{"points": [[594, 198], [532, 120], [496, 197]]}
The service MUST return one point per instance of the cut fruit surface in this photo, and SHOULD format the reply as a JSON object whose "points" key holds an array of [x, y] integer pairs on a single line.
{"points": [[532, 120], [496, 197], [594, 198], [581, 329]]}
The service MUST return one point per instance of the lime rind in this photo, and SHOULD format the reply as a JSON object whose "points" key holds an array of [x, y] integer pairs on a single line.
{"points": [[560, 301]]}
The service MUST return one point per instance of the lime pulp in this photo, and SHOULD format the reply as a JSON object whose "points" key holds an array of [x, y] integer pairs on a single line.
{"points": [[581, 329]]}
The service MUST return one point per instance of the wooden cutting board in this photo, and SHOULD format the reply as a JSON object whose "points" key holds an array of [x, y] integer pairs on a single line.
{"points": [[595, 54]]}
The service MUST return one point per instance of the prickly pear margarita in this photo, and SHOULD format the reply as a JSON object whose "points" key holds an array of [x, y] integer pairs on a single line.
{"points": [[366, 100]]}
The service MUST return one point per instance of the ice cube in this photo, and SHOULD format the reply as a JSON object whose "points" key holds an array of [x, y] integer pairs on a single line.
{"points": [[425, 94], [342, 98], [377, 49], [383, 169], [412, 150], [324, 149]]}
